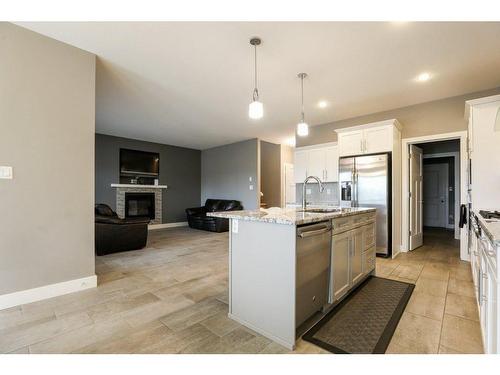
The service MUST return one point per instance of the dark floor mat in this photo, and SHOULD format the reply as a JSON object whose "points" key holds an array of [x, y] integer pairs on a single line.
{"points": [[365, 321]]}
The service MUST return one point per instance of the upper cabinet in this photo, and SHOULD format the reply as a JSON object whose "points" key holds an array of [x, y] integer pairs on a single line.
{"points": [[368, 139], [321, 161]]}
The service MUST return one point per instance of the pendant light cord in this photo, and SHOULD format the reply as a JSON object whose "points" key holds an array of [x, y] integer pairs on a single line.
{"points": [[302, 91], [255, 90]]}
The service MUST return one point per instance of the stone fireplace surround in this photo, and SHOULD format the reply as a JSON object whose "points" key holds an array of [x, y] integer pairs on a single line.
{"points": [[121, 189]]}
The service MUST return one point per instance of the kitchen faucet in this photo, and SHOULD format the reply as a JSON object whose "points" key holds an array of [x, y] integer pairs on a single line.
{"points": [[321, 188]]}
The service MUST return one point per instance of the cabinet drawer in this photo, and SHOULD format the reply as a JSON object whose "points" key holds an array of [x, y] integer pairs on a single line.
{"points": [[341, 224], [363, 218], [369, 260]]}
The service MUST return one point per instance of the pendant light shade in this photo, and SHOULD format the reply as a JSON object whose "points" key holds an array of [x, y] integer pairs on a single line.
{"points": [[302, 127], [255, 108]]}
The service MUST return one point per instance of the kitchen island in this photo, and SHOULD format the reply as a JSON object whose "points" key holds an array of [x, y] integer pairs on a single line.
{"points": [[286, 265]]}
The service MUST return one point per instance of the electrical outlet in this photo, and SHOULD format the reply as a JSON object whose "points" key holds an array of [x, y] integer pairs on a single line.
{"points": [[250, 187], [328, 191], [308, 191]]}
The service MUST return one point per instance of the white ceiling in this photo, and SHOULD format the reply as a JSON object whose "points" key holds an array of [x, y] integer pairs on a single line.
{"points": [[190, 83]]}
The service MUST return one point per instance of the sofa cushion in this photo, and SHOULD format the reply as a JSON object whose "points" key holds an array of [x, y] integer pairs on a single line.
{"points": [[102, 209], [228, 205], [212, 205]]}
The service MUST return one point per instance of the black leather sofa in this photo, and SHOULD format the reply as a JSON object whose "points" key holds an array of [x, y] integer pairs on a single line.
{"points": [[197, 216], [113, 234]]}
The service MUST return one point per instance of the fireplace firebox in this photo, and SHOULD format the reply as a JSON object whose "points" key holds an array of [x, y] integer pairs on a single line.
{"points": [[140, 205]]}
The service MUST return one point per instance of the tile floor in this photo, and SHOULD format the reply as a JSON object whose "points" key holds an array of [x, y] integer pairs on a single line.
{"points": [[172, 298]]}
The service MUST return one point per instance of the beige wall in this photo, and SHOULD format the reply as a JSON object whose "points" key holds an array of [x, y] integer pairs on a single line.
{"points": [[440, 116], [47, 111]]}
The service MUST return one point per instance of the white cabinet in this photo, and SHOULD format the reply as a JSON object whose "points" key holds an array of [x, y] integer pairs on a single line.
{"points": [[331, 164], [316, 163], [321, 161], [367, 139], [351, 143], [300, 167], [378, 139], [340, 262], [353, 253]]}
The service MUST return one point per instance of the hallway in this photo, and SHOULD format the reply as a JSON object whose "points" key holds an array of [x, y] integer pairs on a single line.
{"points": [[442, 315]]}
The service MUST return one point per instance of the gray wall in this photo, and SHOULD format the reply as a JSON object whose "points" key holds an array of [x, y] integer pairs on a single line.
{"points": [[47, 111], [440, 147], [270, 173], [440, 116], [180, 169], [225, 173]]}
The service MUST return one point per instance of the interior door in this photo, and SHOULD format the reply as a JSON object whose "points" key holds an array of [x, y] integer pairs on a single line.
{"points": [[340, 275], [357, 255], [416, 201], [435, 187]]}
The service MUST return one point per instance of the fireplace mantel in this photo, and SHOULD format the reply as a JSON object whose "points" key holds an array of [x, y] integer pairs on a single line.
{"points": [[139, 186]]}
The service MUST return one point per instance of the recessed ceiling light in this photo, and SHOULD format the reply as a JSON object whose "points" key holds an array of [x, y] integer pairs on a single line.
{"points": [[423, 77], [322, 104]]}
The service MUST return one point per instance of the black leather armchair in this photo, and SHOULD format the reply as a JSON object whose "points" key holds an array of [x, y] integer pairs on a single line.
{"points": [[198, 219], [113, 234]]}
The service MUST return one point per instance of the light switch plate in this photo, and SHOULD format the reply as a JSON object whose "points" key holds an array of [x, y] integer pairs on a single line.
{"points": [[6, 172], [250, 187], [328, 191], [308, 191], [250, 179]]}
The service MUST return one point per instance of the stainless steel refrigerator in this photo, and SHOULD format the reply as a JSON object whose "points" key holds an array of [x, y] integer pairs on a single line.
{"points": [[365, 181]]}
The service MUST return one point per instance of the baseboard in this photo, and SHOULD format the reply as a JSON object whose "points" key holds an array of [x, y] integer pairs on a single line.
{"points": [[48, 291], [167, 225]]}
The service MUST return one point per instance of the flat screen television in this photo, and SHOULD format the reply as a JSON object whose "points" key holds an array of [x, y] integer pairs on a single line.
{"points": [[139, 163]]}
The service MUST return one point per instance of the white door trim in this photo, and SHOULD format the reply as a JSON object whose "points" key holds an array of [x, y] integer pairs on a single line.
{"points": [[405, 209], [456, 188]]}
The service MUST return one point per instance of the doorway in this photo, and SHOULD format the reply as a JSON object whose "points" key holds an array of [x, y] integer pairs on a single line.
{"points": [[433, 179]]}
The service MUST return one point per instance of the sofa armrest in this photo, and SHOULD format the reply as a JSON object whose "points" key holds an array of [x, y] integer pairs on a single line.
{"points": [[195, 210]]}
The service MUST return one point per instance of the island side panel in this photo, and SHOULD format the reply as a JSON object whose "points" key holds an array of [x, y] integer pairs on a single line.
{"points": [[262, 279]]}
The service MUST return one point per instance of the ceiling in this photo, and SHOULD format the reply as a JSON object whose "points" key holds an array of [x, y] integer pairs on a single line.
{"points": [[190, 83]]}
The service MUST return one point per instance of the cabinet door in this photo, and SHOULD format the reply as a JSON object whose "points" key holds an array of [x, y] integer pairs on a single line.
{"points": [[316, 164], [493, 314], [357, 248], [368, 236], [340, 268], [331, 164], [300, 170], [351, 143], [378, 139]]}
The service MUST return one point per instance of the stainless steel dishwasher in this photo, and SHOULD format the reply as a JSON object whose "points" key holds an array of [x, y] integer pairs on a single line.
{"points": [[313, 269]]}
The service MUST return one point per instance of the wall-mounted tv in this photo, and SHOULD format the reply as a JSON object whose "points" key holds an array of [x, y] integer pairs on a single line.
{"points": [[139, 163]]}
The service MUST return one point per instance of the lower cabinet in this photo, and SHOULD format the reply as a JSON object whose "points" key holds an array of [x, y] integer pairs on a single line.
{"points": [[487, 296], [353, 257]]}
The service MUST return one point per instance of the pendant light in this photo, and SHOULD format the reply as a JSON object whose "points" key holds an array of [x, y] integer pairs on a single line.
{"points": [[255, 109], [302, 127]]}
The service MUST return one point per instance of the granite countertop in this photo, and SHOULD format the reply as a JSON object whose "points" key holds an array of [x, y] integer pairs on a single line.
{"points": [[289, 216], [491, 228]]}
